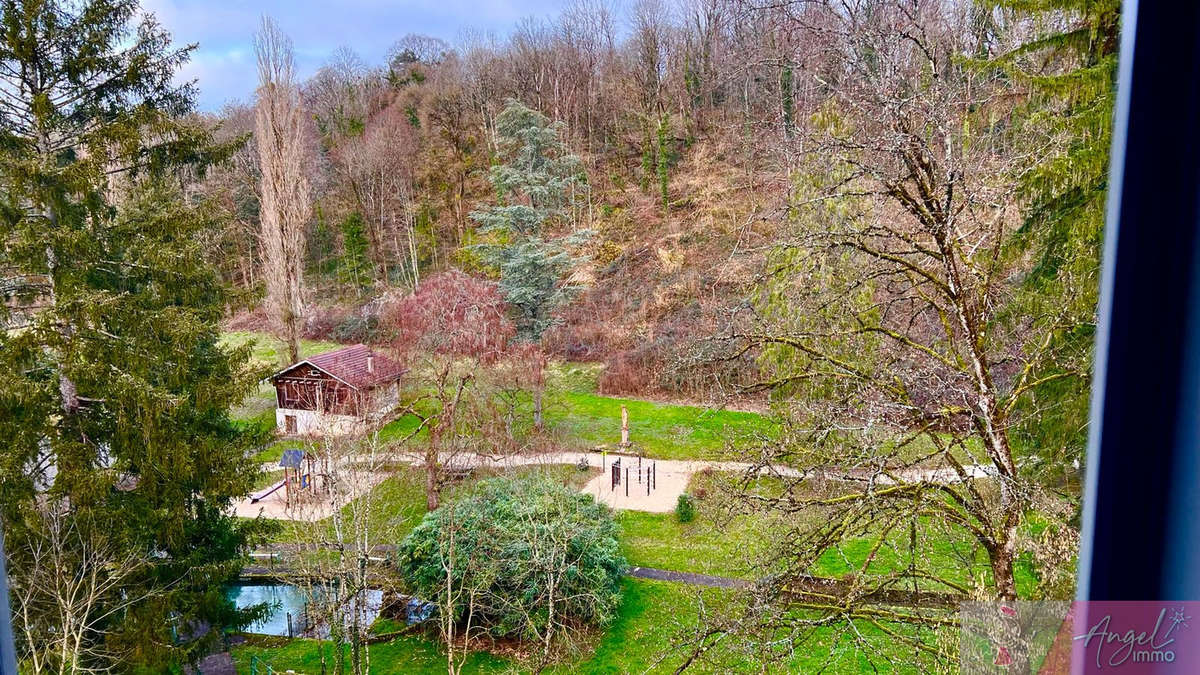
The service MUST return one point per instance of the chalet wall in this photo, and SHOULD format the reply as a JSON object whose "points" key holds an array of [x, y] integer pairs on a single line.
{"points": [[385, 398], [306, 388], [319, 423]]}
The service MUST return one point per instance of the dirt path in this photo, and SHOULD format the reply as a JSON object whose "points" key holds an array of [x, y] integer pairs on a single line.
{"points": [[670, 478]]}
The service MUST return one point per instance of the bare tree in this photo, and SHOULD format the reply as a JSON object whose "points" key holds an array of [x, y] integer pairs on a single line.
{"points": [[336, 525], [378, 168], [886, 332], [284, 195], [459, 633], [67, 593]]}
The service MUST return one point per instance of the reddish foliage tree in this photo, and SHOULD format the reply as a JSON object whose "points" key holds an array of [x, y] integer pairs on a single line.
{"points": [[451, 314], [453, 323]]}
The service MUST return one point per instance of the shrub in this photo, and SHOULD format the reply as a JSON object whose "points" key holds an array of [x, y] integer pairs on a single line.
{"points": [[355, 328], [322, 321], [685, 509], [535, 559]]}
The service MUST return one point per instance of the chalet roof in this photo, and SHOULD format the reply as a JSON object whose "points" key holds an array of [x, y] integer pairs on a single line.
{"points": [[353, 366]]}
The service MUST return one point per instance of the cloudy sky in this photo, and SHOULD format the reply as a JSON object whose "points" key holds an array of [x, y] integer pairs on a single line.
{"points": [[223, 64]]}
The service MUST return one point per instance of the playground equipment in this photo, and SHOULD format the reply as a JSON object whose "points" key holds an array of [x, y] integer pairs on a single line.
{"points": [[299, 470], [647, 475]]}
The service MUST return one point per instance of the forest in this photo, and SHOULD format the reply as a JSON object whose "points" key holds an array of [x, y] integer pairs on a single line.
{"points": [[819, 277]]}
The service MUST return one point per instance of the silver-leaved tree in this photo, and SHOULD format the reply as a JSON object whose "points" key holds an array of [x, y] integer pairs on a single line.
{"points": [[535, 228]]}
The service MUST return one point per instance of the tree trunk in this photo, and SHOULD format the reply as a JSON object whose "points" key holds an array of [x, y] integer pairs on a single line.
{"points": [[293, 337], [537, 406], [431, 476]]}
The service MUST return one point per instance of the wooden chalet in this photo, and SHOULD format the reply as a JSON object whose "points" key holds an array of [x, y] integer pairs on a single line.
{"points": [[337, 392]]}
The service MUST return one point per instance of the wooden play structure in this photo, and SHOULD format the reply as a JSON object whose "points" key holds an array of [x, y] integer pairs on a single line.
{"points": [[301, 478]]}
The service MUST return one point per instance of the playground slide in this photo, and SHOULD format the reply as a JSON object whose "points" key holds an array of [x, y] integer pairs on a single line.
{"points": [[256, 496]]}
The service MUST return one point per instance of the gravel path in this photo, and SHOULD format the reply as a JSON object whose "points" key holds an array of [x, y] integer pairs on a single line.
{"points": [[670, 478], [686, 578]]}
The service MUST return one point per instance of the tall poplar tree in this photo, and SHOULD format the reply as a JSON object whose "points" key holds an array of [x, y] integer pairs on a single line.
{"points": [[283, 187], [119, 452]]}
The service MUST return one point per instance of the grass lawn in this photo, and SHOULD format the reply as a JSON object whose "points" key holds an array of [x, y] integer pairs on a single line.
{"points": [[662, 430], [732, 546], [406, 654], [660, 540], [268, 350], [651, 617]]}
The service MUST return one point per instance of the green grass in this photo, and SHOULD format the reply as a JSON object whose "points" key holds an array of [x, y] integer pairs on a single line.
{"points": [[274, 452], [582, 419], [642, 638], [406, 654], [661, 430], [659, 540], [734, 546], [654, 615], [268, 350]]}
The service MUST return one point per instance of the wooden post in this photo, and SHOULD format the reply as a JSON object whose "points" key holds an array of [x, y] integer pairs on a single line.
{"points": [[624, 427]]}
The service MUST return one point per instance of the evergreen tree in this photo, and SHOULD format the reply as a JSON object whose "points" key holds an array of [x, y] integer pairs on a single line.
{"points": [[355, 267], [538, 184], [115, 407], [1069, 71]]}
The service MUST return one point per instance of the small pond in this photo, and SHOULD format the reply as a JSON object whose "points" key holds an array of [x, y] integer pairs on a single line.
{"points": [[286, 600]]}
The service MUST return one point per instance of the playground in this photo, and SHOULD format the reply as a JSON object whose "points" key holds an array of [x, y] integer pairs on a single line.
{"points": [[312, 488]]}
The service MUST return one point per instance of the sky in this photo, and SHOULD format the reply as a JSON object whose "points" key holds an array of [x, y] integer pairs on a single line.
{"points": [[223, 63]]}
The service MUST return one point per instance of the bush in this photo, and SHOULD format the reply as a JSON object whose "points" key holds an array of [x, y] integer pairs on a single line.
{"points": [[515, 546], [685, 509], [321, 322], [355, 328]]}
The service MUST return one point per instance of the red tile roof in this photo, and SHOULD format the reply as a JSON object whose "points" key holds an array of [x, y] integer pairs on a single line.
{"points": [[350, 365]]}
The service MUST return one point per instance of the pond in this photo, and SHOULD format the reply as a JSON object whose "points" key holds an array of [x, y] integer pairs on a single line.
{"points": [[287, 603]]}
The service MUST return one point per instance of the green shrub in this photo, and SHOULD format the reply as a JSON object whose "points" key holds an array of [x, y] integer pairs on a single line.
{"points": [[534, 556], [685, 509]]}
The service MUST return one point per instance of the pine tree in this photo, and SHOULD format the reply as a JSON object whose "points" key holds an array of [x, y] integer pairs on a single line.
{"points": [[115, 405], [1069, 75], [539, 185], [355, 266]]}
